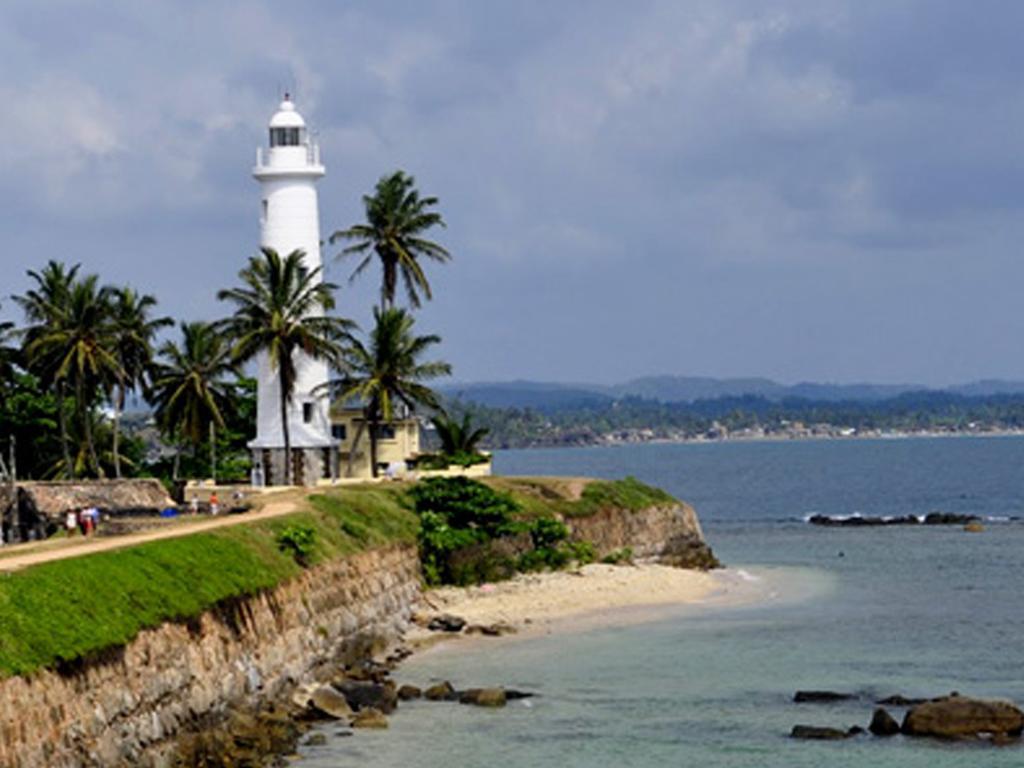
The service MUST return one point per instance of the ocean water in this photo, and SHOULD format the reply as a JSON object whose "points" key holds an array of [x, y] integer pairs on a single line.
{"points": [[876, 611]]}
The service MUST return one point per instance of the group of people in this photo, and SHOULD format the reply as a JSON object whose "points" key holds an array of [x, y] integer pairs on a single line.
{"points": [[214, 504], [86, 520]]}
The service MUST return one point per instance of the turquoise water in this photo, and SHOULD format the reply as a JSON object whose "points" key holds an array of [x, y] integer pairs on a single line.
{"points": [[918, 611]]}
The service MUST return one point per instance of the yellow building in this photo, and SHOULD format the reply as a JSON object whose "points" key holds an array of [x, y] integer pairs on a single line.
{"points": [[397, 443]]}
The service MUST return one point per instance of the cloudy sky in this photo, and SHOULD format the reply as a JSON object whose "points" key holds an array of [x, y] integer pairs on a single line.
{"points": [[822, 190]]}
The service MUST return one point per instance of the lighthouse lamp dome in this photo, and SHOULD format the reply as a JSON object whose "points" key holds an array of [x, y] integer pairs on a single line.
{"points": [[287, 128]]}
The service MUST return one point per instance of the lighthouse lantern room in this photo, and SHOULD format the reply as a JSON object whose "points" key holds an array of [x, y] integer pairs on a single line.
{"points": [[287, 171]]}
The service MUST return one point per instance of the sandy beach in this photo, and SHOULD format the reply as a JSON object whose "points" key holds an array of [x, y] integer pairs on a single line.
{"points": [[594, 595]]}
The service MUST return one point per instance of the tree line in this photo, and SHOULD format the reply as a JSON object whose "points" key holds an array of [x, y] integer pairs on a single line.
{"points": [[582, 424], [85, 348]]}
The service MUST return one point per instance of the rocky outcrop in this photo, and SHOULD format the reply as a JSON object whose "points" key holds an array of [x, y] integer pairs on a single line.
{"points": [[958, 717], [818, 697], [883, 724], [668, 534], [130, 707], [819, 733]]}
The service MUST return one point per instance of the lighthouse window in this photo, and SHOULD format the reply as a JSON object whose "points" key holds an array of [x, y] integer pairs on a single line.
{"points": [[284, 137], [307, 412]]}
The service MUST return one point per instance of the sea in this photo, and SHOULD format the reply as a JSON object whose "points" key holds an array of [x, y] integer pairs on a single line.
{"points": [[912, 610]]}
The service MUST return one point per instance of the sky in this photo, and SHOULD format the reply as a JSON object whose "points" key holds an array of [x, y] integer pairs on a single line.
{"points": [[825, 190]]}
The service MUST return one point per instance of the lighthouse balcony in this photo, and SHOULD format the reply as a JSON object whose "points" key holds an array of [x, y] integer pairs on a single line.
{"points": [[286, 160]]}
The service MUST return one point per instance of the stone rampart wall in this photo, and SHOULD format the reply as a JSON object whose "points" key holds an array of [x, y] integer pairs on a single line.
{"points": [[127, 708]]}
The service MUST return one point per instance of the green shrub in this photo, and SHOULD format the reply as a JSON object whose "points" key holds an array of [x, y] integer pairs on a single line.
{"points": [[546, 532], [465, 503], [456, 513], [444, 460], [582, 552], [299, 541], [622, 556], [438, 540]]}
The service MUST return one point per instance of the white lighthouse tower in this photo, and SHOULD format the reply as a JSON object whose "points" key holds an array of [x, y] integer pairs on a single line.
{"points": [[290, 220]]}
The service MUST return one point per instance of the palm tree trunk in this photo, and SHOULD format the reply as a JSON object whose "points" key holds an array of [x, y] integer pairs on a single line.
{"points": [[387, 290], [84, 415], [69, 468], [118, 405], [355, 444], [284, 428], [213, 452], [374, 423], [177, 463]]}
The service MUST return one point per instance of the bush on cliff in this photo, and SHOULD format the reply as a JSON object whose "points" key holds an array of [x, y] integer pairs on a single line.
{"points": [[456, 514], [469, 534]]}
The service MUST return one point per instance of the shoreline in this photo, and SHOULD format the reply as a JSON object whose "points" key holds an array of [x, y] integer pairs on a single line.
{"points": [[597, 596], [880, 436]]}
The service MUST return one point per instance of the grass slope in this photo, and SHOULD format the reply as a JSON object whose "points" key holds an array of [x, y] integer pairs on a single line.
{"points": [[72, 609], [579, 497]]}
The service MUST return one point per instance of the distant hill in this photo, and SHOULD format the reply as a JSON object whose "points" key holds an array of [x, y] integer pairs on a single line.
{"points": [[540, 396], [988, 388], [686, 389], [552, 396]]}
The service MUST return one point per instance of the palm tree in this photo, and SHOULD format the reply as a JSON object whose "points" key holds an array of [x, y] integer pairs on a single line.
{"points": [[190, 385], [280, 310], [8, 360], [45, 308], [396, 218], [134, 331], [389, 370], [458, 438], [80, 349]]}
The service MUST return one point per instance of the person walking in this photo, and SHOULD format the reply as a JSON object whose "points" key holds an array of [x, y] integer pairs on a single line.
{"points": [[71, 522], [214, 504]]}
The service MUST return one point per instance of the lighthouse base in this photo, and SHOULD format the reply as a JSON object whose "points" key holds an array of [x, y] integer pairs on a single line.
{"points": [[309, 465]]}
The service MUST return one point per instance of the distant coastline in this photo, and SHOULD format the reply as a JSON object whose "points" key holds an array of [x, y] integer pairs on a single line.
{"points": [[636, 437]]}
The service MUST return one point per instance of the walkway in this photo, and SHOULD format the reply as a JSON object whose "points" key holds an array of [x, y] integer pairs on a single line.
{"points": [[282, 504]]}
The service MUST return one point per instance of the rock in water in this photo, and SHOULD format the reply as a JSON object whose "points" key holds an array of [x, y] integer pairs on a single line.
{"points": [[817, 697], [883, 724], [511, 694], [362, 694], [955, 717], [330, 702], [484, 697], [369, 718], [441, 692], [408, 692], [817, 733], [974, 527], [899, 700]]}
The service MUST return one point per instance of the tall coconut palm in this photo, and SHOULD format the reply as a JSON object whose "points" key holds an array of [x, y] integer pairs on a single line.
{"points": [[280, 310], [134, 331], [191, 385], [389, 370], [45, 307], [81, 351], [396, 219]]}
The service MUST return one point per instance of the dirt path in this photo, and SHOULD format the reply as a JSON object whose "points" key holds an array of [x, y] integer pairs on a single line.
{"points": [[77, 547]]}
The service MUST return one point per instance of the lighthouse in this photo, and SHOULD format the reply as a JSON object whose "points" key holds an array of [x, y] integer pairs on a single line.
{"points": [[287, 171]]}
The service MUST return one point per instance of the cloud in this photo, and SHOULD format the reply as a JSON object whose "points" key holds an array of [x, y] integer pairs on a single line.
{"points": [[738, 185]]}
